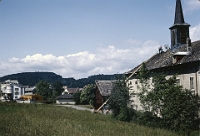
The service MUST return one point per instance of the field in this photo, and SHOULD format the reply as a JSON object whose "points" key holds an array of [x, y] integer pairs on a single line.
{"points": [[42, 120]]}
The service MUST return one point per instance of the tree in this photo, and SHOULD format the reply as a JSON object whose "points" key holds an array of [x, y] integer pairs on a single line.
{"points": [[178, 107], [58, 88], [44, 89], [87, 95], [76, 97], [119, 100]]}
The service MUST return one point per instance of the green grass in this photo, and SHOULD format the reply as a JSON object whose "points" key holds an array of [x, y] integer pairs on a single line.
{"points": [[42, 120]]}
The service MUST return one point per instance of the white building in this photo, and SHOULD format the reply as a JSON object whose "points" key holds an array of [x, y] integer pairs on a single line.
{"points": [[11, 90], [29, 90]]}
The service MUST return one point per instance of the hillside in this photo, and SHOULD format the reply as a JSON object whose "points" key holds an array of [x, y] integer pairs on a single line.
{"points": [[32, 78], [49, 120]]}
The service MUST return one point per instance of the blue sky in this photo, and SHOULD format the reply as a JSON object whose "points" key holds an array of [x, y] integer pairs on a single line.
{"points": [[79, 38]]}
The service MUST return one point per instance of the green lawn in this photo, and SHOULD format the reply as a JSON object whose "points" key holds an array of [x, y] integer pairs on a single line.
{"points": [[48, 120]]}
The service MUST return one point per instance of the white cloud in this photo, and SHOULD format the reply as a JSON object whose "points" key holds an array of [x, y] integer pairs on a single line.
{"points": [[195, 33], [191, 5], [109, 60]]}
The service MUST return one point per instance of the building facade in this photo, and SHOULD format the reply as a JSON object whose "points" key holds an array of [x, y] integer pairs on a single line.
{"points": [[11, 90]]}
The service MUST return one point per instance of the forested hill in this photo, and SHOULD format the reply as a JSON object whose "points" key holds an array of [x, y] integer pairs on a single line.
{"points": [[32, 78]]}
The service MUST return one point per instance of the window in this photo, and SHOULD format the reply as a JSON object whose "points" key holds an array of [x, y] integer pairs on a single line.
{"points": [[16, 89], [178, 82], [191, 82], [16, 93]]}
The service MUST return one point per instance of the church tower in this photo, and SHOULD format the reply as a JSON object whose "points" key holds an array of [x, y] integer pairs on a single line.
{"points": [[180, 29]]}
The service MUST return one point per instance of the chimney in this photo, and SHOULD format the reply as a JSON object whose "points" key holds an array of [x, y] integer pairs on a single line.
{"points": [[189, 48]]}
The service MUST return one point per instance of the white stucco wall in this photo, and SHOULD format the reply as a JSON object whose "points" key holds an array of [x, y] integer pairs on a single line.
{"points": [[65, 101], [184, 81]]}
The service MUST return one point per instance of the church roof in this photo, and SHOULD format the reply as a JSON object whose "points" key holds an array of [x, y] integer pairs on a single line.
{"points": [[179, 18], [165, 59]]}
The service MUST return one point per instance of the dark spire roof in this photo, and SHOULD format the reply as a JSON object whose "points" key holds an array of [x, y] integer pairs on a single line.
{"points": [[179, 19]]}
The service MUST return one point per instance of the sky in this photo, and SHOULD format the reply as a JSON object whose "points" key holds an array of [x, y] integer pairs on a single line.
{"points": [[80, 38]]}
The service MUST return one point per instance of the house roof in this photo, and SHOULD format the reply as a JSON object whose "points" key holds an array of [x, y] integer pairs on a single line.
{"points": [[29, 88], [165, 59], [72, 90], [65, 96], [105, 86]]}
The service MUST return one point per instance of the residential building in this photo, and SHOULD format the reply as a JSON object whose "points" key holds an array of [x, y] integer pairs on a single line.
{"points": [[65, 99], [29, 90], [70, 90], [11, 90]]}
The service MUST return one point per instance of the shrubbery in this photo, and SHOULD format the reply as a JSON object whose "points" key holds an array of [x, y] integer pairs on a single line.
{"points": [[119, 99], [177, 108], [86, 96]]}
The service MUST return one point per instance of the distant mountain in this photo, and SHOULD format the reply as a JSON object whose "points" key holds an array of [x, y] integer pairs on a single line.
{"points": [[32, 78]]}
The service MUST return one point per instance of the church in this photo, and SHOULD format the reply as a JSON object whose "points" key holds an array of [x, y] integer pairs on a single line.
{"points": [[181, 59]]}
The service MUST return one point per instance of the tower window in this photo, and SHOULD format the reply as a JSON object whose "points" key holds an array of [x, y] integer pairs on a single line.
{"points": [[183, 36], [173, 38]]}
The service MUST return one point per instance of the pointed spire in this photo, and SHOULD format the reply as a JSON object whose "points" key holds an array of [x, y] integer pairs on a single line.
{"points": [[179, 19]]}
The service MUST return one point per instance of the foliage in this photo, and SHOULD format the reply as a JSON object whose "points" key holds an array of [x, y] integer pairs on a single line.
{"points": [[32, 78], [48, 91], [178, 107], [58, 88], [76, 97], [119, 100], [147, 119], [143, 74], [43, 88], [88, 95], [144, 85], [42, 120]]}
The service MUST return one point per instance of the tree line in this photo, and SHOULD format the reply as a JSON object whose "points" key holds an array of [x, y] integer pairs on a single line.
{"points": [[32, 78]]}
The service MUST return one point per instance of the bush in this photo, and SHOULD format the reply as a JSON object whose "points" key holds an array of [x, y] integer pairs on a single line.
{"points": [[76, 97], [119, 99], [147, 119]]}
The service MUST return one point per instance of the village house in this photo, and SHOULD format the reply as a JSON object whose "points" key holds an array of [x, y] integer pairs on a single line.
{"points": [[181, 59], [70, 90], [103, 91], [65, 99], [67, 95], [29, 90]]}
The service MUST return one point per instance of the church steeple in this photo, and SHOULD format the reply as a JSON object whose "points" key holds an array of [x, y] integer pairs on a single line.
{"points": [[180, 29], [179, 19]]}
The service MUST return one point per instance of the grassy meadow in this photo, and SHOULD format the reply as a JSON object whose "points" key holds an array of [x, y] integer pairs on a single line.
{"points": [[49, 120]]}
